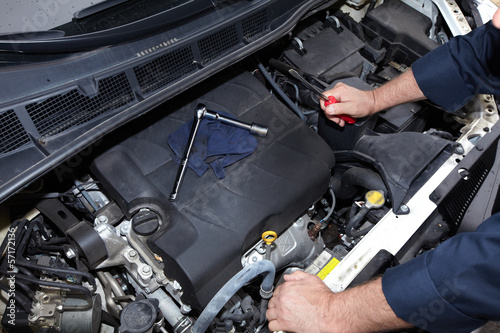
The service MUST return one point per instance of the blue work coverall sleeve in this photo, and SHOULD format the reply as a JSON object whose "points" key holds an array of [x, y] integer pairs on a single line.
{"points": [[468, 65], [455, 287]]}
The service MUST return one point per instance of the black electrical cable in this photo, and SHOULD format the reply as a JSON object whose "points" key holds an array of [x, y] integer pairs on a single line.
{"points": [[21, 262], [90, 278], [55, 248], [29, 292], [25, 271], [372, 5], [281, 93], [17, 296], [18, 225], [25, 239], [56, 240], [6, 239], [28, 279]]}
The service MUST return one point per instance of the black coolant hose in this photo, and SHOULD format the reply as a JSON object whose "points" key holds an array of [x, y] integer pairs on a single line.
{"points": [[355, 222], [359, 177], [281, 93], [247, 274]]}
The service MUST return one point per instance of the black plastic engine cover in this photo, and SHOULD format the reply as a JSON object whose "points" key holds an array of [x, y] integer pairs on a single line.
{"points": [[406, 37], [204, 234]]}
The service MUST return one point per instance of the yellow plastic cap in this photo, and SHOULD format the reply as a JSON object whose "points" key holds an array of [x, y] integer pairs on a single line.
{"points": [[269, 237], [375, 198]]}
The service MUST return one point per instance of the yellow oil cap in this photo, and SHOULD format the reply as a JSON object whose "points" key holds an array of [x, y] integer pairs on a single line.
{"points": [[269, 237]]}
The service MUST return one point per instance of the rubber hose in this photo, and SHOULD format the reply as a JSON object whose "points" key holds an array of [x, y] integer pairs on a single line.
{"points": [[246, 306], [240, 316], [281, 93], [263, 310], [359, 233], [355, 222], [108, 319], [247, 274], [359, 177]]}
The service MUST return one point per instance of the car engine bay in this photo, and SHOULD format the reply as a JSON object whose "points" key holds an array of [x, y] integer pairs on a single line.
{"points": [[97, 245]]}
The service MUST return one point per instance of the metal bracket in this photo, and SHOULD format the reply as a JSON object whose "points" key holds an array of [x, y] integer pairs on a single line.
{"points": [[453, 16]]}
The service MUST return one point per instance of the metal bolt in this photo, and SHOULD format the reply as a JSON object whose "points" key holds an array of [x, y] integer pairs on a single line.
{"points": [[70, 253], [132, 253], [103, 219], [176, 285], [464, 173], [459, 150], [124, 228], [404, 209], [185, 309], [146, 269], [254, 259]]}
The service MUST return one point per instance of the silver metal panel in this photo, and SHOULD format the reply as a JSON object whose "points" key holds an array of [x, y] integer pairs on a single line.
{"points": [[453, 16]]}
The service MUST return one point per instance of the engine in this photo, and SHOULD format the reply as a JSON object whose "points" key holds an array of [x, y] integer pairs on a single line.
{"points": [[103, 247]]}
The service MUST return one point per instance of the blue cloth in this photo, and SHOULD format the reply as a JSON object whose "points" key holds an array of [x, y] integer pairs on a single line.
{"points": [[216, 145], [455, 287]]}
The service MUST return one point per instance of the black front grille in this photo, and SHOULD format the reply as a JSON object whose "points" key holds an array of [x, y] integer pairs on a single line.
{"points": [[459, 199], [12, 133], [60, 112], [165, 69], [216, 44], [255, 24]]}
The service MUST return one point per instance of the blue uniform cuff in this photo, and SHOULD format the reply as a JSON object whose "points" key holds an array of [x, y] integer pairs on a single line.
{"points": [[440, 81], [413, 296]]}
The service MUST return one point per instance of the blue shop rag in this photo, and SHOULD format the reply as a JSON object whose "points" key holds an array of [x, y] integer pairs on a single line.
{"points": [[216, 145]]}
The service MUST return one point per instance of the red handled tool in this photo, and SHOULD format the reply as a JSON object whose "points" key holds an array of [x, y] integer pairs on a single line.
{"points": [[328, 100]]}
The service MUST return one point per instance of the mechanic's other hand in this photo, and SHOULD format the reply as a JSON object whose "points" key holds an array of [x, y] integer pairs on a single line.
{"points": [[351, 101], [301, 304]]}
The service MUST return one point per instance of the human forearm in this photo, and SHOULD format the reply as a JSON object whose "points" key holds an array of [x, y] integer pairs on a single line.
{"points": [[400, 90], [365, 309], [359, 103]]}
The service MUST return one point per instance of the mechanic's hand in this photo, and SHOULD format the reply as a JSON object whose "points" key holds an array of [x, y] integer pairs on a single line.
{"points": [[351, 101], [301, 304]]}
